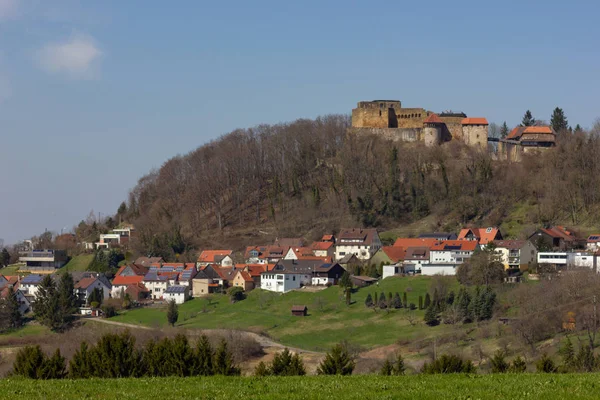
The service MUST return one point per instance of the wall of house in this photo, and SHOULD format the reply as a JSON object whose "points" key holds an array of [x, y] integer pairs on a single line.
{"points": [[178, 297], [580, 260], [363, 252], [437, 269], [390, 270], [156, 288], [200, 287]]}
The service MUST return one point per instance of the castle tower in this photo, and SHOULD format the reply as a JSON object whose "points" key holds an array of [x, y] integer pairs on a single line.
{"points": [[475, 132], [432, 130]]}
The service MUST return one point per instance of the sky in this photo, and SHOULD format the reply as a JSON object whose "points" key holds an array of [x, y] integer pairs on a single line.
{"points": [[95, 94]]}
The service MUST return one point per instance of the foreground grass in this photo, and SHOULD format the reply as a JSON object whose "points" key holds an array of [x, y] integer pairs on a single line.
{"points": [[507, 386], [328, 322]]}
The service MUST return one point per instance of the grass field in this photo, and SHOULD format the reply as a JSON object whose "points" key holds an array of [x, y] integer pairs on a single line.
{"points": [[11, 269], [507, 386], [77, 263], [328, 322]]}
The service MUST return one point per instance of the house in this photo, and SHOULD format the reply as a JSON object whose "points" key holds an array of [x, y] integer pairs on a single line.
{"points": [[582, 260], [327, 273], [178, 293], [363, 243], [556, 238], [445, 256], [516, 254], [323, 248], [43, 260], [388, 255], [391, 270], [265, 254], [207, 280], [137, 292], [24, 304], [146, 261], [243, 279], [254, 270], [328, 238], [593, 242], [85, 287], [348, 261], [362, 281], [128, 275], [557, 259], [29, 284], [415, 242], [415, 258], [482, 236], [222, 258], [161, 276], [156, 284], [293, 274], [299, 311], [295, 253], [116, 238], [439, 236]]}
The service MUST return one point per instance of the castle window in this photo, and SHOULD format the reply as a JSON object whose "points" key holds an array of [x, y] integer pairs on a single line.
{"points": [[380, 113]]}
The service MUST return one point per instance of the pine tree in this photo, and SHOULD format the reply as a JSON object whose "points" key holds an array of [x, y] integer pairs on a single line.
{"points": [[46, 307], [29, 362], [464, 302], [79, 366], [568, 355], [337, 362], [427, 301], [397, 303], [430, 317], [67, 298], [54, 367], [545, 364], [262, 369], [528, 119], [585, 360], [405, 300], [475, 305], [287, 364], [488, 301], [399, 367], [4, 257], [115, 356], [578, 128], [172, 312], [499, 364], [450, 298], [558, 120], [182, 356], [15, 319], [387, 368], [518, 366], [223, 361], [504, 130], [420, 302], [382, 301], [369, 301]]}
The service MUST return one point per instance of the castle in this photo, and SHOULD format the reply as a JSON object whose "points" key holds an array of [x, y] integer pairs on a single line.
{"points": [[387, 118]]}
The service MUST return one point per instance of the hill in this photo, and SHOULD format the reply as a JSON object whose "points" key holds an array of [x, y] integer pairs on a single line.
{"points": [[504, 386], [311, 176]]}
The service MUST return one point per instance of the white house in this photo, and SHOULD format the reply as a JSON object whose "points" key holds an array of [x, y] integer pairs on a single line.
{"points": [[516, 254], [580, 260], [363, 243], [21, 299], [556, 258], [283, 281], [178, 293], [85, 287], [29, 284], [156, 284], [593, 242], [415, 258], [446, 256], [391, 270], [221, 258]]}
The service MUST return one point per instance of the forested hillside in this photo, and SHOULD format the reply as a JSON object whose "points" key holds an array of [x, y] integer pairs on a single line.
{"points": [[308, 177]]}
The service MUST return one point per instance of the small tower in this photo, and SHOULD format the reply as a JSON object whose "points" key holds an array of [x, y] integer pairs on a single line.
{"points": [[475, 132], [432, 130]]}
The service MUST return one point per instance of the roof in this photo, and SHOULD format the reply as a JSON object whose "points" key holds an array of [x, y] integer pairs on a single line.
{"points": [[433, 119], [415, 242], [127, 280], [321, 245], [462, 245], [136, 287], [417, 253], [483, 235], [137, 269], [438, 235], [299, 308], [517, 132], [357, 236], [538, 129], [474, 121], [510, 244], [32, 279], [245, 276], [148, 260], [254, 269], [302, 266], [347, 258], [327, 238], [212, 256], [595, 238], [302, 251], [85, 283], [559, 232], [394, 253], [176, 289], [364, 278]]}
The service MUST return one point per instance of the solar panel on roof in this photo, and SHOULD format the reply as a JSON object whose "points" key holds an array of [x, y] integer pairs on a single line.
{"points": [[176, 289], [449, 247]]}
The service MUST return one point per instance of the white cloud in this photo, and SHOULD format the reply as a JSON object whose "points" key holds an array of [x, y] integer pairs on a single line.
{"points": [[8, 9], [78, 57]]}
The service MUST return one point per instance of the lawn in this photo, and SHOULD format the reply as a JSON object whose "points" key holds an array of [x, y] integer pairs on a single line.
{"points": [[12, 270], [27, 330], [328, 322], [506, 386], [77, 263]]}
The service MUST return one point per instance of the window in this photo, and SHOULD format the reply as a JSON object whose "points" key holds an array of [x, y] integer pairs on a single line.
{"points": [[294, 278], [342, 253]]}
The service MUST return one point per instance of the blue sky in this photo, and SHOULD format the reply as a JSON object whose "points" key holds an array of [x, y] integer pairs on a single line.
{"points": [[94, 94]]}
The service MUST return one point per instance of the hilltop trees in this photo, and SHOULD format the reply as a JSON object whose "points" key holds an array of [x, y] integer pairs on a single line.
{"points": [[284, 364], [528, 119], [4, 257], [558, 120], [504, 130]]}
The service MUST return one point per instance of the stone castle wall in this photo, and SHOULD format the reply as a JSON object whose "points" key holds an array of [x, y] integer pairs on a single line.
{"points": [[475, 135], [393, 134]]}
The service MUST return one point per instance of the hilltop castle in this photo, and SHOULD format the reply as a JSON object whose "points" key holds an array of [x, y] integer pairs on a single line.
{"points": [[388, 119]]}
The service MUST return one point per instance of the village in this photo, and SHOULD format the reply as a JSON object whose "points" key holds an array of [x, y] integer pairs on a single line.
{"points": [[292, 264]]}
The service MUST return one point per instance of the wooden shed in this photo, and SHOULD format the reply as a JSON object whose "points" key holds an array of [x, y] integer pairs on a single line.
{"points": [[299, 311]]}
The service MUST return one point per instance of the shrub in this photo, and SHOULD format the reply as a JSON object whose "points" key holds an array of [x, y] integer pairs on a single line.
{"points": [[545, 364], [448, 364], [430, 317], [337, 362], [261, 369], [236, 294], [369, 301], [518, 366], [499, 364], [32, 363], [287, 364], [108, 311]]}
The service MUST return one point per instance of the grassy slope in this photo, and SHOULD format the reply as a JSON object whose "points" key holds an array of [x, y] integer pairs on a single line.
{"points": [[325, 326], [77, 263], [507, 386], [12, 270]]}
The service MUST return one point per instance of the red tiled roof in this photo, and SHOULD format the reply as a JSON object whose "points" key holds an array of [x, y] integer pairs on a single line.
{"points": [[559, 232], [327, 238], [85, 283], [595, 238], [465, 245], [246, 276], [127, 280], [395, 253], [516, 133], [538, 129], [474, 121], [253, 269], [415, 242], [433, 119], [321, 245], [136, 287], [208, 256], [483, 235]]}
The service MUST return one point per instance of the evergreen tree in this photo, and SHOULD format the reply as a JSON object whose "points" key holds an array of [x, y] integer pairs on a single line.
{"points": [[450, 298], [585, 360], [518, 366], [488, 301], [15, 319], [54, 367], [79, 366], [67, 298], [528, 119], [346, 284], [387, 368], [475, 305], [427, 301], [223, 361], [115, 356], [97, 296], [558, 120], [499, 364], [172, 312], [100, 262], [504, 130], [545, 364], [47, 307], [287, 364], [29, 362], [337, 362], [430, 317], [262, 369], [420, 302], [157, 358], [578, 128], [369, 301], [405, 300], [397, 303], [399, 367], [375, 299], [181, 357], [449, 364], [382, 301], [464, 302], [4, 257], [568, 355]]}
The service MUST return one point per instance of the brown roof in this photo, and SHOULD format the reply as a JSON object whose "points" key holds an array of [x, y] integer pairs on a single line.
{"points": [[321, 245], [364, 278], [85, 283], [211, 256], [538, 129], [559, 232], [474, 121], [433, 119], [299, 308], [353, 235], [394, 253], [510, 244], [417, 253], [145, 261]]}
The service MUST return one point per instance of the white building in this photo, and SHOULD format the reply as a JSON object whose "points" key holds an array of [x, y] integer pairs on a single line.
{"points": [[363, 243], [283, 281], [29, 284], [391, 270], [178, 293], [446, 256], [580, 260], [156, 284], [85, 287], [558, 259], [593, 242]]}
